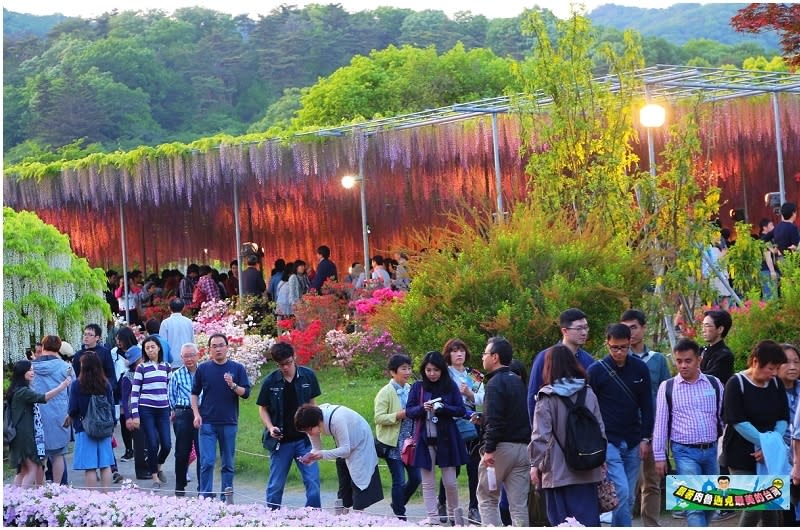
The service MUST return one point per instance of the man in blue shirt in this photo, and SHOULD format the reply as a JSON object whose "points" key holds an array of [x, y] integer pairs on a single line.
{"points": [[222, 382], [622, 385], [179, 392], [574, 333], [786, 234]]}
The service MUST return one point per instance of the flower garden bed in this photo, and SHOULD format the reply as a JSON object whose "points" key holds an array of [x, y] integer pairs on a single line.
{"points": [[55, 505]]}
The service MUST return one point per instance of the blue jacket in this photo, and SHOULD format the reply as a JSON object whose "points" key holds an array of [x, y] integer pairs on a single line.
{"points": [[536, 376], [623, 418], [450, 448]]}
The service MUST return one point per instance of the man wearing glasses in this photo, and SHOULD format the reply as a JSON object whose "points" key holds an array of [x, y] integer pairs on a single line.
{"points": [[91, 342], [574, 333], [283, 392], [622, 385], [222, 382]]}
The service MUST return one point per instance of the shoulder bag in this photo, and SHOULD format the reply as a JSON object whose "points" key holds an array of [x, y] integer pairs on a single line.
{"points": [[409, 449]]}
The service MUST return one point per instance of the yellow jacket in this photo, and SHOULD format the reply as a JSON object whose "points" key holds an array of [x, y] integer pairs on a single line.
{"points": [[387, 425]]}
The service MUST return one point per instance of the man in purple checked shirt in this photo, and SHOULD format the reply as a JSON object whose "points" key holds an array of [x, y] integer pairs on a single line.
{"points": [[689, 425]]}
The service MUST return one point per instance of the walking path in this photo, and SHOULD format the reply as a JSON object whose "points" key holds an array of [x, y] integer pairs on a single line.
{"points": [[248, 490]]}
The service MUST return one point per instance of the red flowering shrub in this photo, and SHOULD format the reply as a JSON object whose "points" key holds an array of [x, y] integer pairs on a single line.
{"points": [[308, 343]]}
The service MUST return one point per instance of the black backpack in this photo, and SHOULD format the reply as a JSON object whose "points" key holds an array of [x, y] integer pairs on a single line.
{"points": [[584, 447], [98, 422], [9, 427]]}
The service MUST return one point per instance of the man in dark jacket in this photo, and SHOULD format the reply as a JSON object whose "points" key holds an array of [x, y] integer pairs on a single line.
{"points": [[253, 283], [507, 432], [325, 268]]}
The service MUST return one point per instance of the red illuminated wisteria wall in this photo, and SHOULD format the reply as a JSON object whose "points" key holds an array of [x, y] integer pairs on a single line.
{"points": [[414, 178]]}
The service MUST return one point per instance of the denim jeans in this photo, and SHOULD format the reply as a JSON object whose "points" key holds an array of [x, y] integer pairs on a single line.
{"points": [[185, 434], [210, 435], [623, 469], [402, 489], [692, 461], [155, 425], [279, 464]]}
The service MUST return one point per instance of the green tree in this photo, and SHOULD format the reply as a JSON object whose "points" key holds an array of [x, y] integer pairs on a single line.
{"points": [[429, 28], [393, 81]]}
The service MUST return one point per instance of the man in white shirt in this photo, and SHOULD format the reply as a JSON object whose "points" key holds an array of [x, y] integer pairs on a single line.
{"points": [[177, 330]]}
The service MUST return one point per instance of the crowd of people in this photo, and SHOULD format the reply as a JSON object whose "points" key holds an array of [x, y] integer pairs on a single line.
{"points": [[777, 239], [705, 419], [284, 285]]}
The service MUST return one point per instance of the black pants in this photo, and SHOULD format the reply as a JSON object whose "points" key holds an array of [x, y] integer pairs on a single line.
{"points": [[127, 437], [185, 435], [139, 454], [352, 495]]}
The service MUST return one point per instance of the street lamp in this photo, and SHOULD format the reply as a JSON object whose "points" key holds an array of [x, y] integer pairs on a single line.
{"points": [[348, 181], [652, 116]]}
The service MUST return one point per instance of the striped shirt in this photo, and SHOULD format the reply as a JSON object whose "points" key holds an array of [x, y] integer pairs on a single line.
{"points": [[149, 387], [180, 388], [694, 414]]}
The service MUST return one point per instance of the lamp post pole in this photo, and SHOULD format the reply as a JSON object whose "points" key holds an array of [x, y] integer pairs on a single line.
{"points": [[364, 230], [348, 182], [652, 116]]}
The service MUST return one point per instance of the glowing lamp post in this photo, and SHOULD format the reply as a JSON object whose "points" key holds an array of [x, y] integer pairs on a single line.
{"points": [[348, 182], [652, 116]]}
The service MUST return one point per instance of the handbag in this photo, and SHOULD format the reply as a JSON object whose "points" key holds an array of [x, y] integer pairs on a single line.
{"points": [[466, 429], [607, 494], [408, 451], [409, 448], [192, 454]]}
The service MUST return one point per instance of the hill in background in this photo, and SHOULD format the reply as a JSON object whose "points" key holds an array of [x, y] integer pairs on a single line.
{"points": [[680, 23], [21, 24]]}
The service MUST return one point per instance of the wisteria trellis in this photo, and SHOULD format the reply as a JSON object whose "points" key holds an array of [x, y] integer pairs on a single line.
{"points": [[290, 199]]}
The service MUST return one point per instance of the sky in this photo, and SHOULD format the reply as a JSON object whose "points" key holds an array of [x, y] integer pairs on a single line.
{"points": [[497, 9]]}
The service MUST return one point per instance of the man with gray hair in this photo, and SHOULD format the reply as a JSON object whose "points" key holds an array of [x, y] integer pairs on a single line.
{"points": [[180, 402], [177, 331], [252, 280]]}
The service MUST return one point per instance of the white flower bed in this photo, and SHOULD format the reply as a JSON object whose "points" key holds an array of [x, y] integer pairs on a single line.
{"points": [[55, 505]]}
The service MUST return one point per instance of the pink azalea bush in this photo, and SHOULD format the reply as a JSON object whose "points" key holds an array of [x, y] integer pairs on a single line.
{"points": [[55, 505], [368, 305], [361, 349]]}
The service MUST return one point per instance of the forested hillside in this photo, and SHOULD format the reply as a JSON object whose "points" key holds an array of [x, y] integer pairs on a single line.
{"points": [[125, 79], [681, 23]]}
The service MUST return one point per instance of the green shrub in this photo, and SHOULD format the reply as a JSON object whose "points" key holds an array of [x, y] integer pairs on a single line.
{"points": [[513, 280], [776, 319]]}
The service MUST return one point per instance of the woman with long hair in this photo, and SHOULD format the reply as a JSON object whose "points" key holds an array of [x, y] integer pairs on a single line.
{"points": [[91, 454], [150, 407], [470, 383], [26, 450], [568, 492], [434, 403]]}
